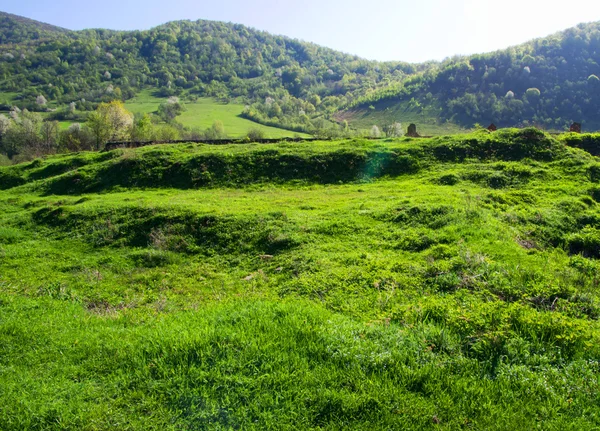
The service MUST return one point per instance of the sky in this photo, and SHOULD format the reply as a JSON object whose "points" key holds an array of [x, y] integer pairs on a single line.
{"points": [[385, 30]]}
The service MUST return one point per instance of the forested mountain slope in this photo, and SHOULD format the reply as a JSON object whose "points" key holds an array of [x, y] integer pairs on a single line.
{"points": [[201, 58], [284, 82], [550, 82]]}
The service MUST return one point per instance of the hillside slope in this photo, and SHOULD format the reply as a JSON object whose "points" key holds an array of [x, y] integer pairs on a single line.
{"points": [[400, 284], [200, 58], [549, 82]]}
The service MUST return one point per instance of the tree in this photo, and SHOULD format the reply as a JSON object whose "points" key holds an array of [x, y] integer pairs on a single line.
{"points": [[23, 134], [99, 128], [142, 128], [170, 110], [393, 130], [4, 125], [216, 131], [41, 101], [375, 132], [255, 134], [111, 121], [49, 132], [75, 138]]}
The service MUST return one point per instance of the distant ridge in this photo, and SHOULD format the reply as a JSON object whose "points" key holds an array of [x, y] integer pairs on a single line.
{"points": [[17, 29], [29, 21]]}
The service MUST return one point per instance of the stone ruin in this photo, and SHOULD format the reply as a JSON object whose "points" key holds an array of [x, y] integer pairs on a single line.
{"points": [[575, 127], [492, 127], [412, 131]]}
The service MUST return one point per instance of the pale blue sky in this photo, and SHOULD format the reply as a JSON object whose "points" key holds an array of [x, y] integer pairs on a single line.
{"points": [[413, 31]]}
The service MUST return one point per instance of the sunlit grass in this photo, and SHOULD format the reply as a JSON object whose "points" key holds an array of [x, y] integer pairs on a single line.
{"points": [[333, 290], [204, 112]]}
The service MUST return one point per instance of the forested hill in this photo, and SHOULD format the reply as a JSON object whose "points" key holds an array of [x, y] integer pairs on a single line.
{"points": [[202, 58], [551, 82], [288, 83]]}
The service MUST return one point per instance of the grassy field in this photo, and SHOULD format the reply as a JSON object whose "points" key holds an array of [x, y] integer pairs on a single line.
{"points": [[390, 112], [6, 97], [446, 283], [204, 112]]}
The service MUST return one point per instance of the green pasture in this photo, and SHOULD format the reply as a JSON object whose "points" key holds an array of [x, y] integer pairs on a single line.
{"points": [[447, 283], [205, 111]]}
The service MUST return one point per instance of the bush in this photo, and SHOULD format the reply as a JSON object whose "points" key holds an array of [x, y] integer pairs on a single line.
{"points": [[255, 134]]}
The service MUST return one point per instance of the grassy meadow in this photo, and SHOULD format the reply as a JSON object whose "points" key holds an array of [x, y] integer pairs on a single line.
{"points": [[445, 283], [425, 117], [202, 113]]}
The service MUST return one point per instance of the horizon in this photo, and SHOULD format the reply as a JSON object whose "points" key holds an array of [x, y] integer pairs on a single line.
{"points": [[379, 46]]}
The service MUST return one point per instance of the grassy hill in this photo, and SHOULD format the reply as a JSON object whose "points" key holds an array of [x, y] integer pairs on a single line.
{"points": [[440, 283], [203, 112]]}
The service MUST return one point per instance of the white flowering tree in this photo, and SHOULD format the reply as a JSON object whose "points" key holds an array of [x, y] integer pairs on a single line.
{"points": [[4, 125], [111, 121], [375, 132], [41, 101], [15, 113], [393, 130]]}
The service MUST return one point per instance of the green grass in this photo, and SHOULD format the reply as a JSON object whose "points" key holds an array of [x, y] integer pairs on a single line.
{"points": [[205, 111], [449, 283], [426, 119], [7, 97]]}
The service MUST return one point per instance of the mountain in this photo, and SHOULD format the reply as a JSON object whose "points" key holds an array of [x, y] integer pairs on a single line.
{"points": [[284, 82], [291, 79], [551, 82]]}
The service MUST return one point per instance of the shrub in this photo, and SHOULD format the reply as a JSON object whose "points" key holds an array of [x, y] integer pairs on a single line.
{"points": [[255, 134]]}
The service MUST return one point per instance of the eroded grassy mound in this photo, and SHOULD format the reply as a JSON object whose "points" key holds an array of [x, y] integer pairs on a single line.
{"points": [[411, 284]]}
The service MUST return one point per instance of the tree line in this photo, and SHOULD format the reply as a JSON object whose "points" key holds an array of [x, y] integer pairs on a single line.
{"points": [[25, 135]]}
